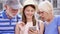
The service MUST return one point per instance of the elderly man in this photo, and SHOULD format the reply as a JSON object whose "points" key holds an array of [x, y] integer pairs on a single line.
{"points": [[51, 22], [10, 16]]}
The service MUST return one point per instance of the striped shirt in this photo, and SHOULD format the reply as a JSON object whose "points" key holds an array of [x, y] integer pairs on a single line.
{"points": [[7, 26]]}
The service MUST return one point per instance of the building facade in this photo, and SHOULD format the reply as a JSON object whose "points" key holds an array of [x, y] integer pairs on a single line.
{"points": [[56, 5]]}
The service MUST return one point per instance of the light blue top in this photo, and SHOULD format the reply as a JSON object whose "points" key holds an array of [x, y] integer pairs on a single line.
{"points": [[52, 28]]}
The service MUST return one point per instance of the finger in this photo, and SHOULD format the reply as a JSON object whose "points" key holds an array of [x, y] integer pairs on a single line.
{"points": [[31, 30], [36, 32]]}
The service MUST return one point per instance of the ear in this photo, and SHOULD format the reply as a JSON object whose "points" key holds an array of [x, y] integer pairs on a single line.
{"points": [[5, 6]]}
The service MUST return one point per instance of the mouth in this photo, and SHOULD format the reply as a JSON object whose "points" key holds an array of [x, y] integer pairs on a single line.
{"points": [[29, 14], [42, 18], [14, 11], [14, 14]]}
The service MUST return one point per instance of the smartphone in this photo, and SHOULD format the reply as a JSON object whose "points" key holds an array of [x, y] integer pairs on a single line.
{"points": [[33, 28]]}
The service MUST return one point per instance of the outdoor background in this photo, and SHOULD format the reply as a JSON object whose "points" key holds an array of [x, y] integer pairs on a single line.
{"points": [[56, 5]]}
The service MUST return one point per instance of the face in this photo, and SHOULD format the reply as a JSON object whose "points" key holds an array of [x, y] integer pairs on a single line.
{"points": [[44, 15], [29, 12], [12, 12]]}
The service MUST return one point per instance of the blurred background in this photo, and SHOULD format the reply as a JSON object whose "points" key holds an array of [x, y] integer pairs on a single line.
{"points": [[56, 5]]}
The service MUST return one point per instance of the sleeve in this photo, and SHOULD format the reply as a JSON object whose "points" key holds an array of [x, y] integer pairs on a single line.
{"points": [[59, 21]]}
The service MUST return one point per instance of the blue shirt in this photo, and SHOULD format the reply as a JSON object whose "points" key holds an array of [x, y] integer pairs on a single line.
{"points": [[52, 28], [7, 26]]}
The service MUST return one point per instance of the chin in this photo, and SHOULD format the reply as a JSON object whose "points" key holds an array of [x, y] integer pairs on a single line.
{"points": [[29, 17], [12, 15]]}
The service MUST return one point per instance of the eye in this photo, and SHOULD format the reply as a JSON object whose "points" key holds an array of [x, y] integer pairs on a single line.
{"points": [[42, 12], [27, 10], [38, 12], [32, 10]]}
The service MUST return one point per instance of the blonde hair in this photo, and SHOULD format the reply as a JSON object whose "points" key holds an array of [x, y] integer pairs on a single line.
{"points": [[45, 6]]}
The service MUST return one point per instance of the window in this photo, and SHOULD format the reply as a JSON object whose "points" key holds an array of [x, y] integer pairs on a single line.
{"points": [[1, 6], [21, 1], [49, 0], [38, 1], [43, 0], [55, 3]]}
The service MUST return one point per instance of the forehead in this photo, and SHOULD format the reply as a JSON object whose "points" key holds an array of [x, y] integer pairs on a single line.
{"points": [[11, 8], [29, 7], [40, 10]]}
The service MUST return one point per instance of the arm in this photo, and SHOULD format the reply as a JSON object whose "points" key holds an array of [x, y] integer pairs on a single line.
{"points": [[41, 27], [59, 29], [17, 30], [59, 24], [18, 27]]}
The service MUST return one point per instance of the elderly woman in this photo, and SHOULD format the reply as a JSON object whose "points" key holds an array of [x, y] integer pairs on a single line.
{"points": [[51, 22]]}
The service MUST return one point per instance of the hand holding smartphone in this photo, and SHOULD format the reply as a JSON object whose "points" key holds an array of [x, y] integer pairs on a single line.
{"points": [[33, 28]]}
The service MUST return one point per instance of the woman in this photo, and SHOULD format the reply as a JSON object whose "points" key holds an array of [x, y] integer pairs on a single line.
{"points": [[28, 20], [51, 21]]}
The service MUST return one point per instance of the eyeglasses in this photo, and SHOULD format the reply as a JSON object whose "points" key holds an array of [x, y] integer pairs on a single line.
{"points": [[13, 9], [40, 12]]}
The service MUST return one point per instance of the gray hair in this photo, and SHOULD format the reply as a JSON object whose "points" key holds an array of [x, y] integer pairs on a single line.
{"points": [[45, 6]]}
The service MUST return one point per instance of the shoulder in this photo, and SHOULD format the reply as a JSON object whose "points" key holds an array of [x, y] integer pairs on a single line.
{"points": [[1, 14], [19, 16], [41, 22], [57, 16], [20, 24]]}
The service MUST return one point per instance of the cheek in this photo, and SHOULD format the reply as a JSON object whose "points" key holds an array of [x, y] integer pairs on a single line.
{"points": [[33, 13], [14, 12], [26, 13], [46, 15], [29, 14], [8, 10], [43, 15]]}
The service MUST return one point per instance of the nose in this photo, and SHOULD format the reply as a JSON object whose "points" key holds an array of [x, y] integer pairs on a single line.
{"points": [[41, 15], [30, 12]]}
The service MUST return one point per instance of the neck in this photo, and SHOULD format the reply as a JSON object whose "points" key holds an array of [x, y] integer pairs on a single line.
{"points": [[50, 18], [29, 20]]}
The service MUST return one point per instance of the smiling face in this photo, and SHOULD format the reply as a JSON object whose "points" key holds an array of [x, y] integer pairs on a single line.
{"points": [[29, 12], [12, 12]]}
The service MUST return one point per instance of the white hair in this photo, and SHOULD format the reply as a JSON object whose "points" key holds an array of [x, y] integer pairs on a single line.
{"points": [[45, 6]]}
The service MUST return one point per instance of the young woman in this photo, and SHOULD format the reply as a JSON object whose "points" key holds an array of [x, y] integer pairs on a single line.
{"points": [[28, 20]]}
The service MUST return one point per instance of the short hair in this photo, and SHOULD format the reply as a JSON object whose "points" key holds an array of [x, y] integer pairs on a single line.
{"points": [[15, 4], [45, 6]]}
